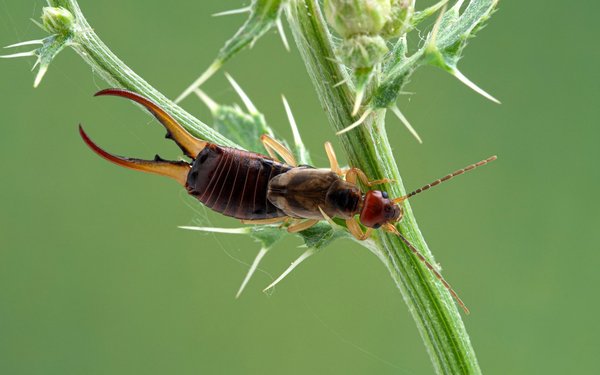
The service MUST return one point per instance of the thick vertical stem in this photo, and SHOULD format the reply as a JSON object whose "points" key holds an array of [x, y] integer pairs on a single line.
{"points": [[367, 147]]}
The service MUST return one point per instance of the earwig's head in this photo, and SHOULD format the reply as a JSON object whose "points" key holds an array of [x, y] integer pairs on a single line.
{"points": [[378, 209]]}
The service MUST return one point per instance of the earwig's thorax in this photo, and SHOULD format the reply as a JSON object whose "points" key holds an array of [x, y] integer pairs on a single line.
{"points": [[345, 197], [378, 209]]}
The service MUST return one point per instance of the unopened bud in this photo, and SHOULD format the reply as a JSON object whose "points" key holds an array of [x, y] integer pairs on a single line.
{"points": [[57, 20], [401, 14], [357, 17], [362, 51]]}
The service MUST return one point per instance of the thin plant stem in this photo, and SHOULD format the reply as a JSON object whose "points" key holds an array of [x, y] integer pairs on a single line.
{"points": [[105, 63]]}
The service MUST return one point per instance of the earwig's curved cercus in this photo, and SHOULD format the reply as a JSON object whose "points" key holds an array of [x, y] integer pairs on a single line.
{"points": [[190, 145], [259, 189], [176, 170]]}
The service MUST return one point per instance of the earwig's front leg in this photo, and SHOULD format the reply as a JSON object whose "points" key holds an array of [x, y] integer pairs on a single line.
{"points": [[356, 231], [274, 148], [303, 225], [353, 173]]}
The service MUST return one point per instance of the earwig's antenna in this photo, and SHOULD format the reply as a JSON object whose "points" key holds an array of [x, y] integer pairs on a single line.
{"points": [[445, 178], [391, 228]]}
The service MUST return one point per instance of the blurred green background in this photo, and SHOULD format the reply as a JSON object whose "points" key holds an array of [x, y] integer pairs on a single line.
{"points": [[95, 277]]}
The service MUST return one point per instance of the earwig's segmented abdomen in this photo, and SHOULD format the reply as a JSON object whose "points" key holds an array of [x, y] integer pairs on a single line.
{"points": [[234, 182]]}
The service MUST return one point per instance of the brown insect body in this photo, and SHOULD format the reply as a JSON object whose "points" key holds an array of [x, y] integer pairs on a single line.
{"points": [[259, 189], [235, 182], [251, 186], [303, 191]]}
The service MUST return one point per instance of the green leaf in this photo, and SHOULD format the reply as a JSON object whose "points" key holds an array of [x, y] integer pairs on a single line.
{"points": [[443, 48], [321, 235], [263, 16], [244, 128], [458, 28], [267, 236]]}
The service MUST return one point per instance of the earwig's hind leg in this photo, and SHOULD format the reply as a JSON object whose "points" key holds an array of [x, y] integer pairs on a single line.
{"points": [[333, 162], [275, 148], [356, 231], [354, 173], [392, 229], [177, 170], [273, 220], [189, 144], [303, 225]]}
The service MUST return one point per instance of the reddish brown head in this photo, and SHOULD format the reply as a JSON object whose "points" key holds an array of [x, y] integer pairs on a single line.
{"points": [[378, 209]]}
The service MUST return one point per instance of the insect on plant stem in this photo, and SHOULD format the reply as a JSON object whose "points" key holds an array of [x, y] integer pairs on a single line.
{"points": [[260, 189]]}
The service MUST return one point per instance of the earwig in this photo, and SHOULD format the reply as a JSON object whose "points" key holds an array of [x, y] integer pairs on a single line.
{"points": [[260, 189]]}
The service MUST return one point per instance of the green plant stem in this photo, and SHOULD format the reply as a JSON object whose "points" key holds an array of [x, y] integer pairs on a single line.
{"points": [[367, 147], [105, 63]]}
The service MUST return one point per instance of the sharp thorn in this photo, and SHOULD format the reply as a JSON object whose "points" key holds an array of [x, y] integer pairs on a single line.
{"points": [[358, 101], [251, 271], [232, 11], [294, 264], [212, 69], [243, 230], [292, 121], [282, 34], [357, 123], [247, 102], [340, 82], [211, 104], [328, 219], [27, 43], [407, 124], [470, 84], [20, 54], [40, 75], [37, 62]]}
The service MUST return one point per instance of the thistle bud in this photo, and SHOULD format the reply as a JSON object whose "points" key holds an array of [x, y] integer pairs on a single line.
{"points": [[401, 15], [362, 51], [57, 20], [357, 17]]}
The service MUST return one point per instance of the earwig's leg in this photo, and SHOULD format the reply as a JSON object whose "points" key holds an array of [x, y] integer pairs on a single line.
{"points": [[401, 213], [273, 220], [189, 144], [392, 229], [303, 225], [327, 218], [356, 231], [177, 170], [353, 173], [333, 163], [273, 147]]}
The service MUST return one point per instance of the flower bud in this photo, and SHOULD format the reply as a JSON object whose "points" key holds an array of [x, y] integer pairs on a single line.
{"points": [[57, 20], [401, 15], [362, 51], [357, 17]]}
